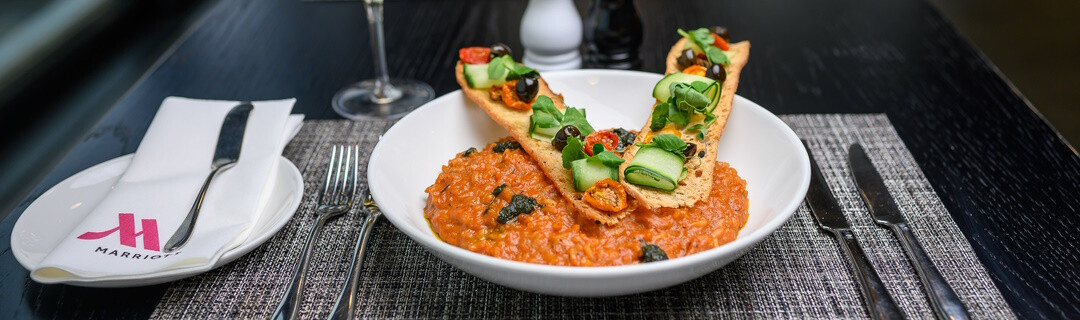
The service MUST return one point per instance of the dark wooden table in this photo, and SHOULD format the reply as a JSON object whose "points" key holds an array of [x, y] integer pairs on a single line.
{"points": [[1010, 182]]}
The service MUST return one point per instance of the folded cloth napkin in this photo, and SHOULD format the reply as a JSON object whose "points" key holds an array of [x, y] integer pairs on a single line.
{"points": [[125, 233]]}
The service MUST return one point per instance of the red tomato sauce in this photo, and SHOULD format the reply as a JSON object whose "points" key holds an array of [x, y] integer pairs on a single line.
{"points": [[462, 211]]}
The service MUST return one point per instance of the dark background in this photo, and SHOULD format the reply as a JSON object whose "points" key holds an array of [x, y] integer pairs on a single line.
{"points": [[66, 88], [73, 76], [1035, 44]]}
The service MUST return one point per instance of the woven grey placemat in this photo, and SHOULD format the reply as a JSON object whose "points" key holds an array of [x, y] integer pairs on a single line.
{"points": [[798, 272]]}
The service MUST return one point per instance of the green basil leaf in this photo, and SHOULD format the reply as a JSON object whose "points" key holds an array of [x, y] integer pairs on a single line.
{"points": [[702, 37], [692, 97], [716, 56], [521, 70], [544, 104], [543, 120], [544, 115], [659, 116], [679, 117], [496, 68], [682, 92], [573, 151], [669, 142], [698, 127], [607, 158], [699, 86], [709, 118], [696, 99], [576, 117], [679, 90], [701, 135]]}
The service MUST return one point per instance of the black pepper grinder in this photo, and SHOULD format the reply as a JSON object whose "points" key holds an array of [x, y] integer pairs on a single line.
{"points": [[612, 35]]}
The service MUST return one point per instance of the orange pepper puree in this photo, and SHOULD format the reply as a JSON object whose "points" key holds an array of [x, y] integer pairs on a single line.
{"points": [[459, 212]]}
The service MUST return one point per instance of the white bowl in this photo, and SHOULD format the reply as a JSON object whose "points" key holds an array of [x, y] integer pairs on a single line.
{"points": [[408, 158]]}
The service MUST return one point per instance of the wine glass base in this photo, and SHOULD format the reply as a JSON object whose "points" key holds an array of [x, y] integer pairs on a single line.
{"points": [[359, 102]]}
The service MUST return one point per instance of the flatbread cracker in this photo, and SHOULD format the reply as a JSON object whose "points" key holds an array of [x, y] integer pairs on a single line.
{"points": [[698, 181], [550, 159]]}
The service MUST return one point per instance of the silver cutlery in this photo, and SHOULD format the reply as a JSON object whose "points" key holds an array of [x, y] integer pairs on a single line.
{"points": [[227, 152], [829, 217], [943, 299], [343, 308], [334, 200]]}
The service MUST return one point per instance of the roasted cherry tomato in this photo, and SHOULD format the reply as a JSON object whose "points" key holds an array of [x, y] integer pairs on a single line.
{"points": [[695, 70], [510, 98], [475, 55], [719, 42], [606, 195], [606, 138]]}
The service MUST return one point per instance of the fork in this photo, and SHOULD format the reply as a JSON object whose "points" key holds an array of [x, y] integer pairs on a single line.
{"points": [[334, 200], [344, 306]]}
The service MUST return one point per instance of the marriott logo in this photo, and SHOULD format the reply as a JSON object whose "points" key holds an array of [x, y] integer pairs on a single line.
{"points": [[128, 234]]}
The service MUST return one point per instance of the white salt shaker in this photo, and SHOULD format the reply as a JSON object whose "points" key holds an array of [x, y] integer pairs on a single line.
{"points": [[551, 34]]}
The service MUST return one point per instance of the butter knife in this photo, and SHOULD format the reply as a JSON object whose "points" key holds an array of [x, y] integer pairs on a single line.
{"points": [[346, 301], [830, 217], [226, 154], [872, 189]]}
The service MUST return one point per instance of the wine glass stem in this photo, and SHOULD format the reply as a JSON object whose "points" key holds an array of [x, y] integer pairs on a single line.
{"points": [[384, 91]]}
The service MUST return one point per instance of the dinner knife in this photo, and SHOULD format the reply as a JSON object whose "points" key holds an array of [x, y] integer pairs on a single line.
{"points": [[226, 154], [872, 189], [830, 217]]}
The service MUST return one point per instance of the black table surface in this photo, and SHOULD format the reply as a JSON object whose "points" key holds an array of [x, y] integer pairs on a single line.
{"points": [[1009, 181]]}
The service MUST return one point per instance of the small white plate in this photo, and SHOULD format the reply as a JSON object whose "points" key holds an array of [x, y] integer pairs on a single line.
{"points": [[59, 210], [408, 158]]}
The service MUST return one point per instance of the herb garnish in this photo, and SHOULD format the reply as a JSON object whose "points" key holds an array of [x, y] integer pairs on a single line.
{"points": [[574, 150], [652, 253], [704, 40], [499, 66], [686, 100], [494, 195], [546, 120], [604, 157], [505, 145], [498, 190], [668, 142], [468, 152], [519, 204], [576, 117], [626, 138]]}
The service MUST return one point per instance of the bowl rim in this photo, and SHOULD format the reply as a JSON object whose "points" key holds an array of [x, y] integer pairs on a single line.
{"points": [[737, 246]]}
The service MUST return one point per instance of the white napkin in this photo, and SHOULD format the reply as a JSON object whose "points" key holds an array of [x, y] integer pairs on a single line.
{"points": [[125, 233]]}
